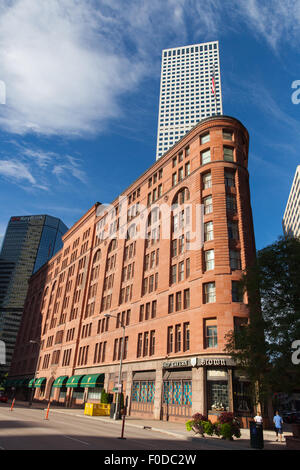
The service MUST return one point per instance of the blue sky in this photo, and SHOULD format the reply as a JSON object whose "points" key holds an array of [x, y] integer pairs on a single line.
{"points": [[82, 88]]}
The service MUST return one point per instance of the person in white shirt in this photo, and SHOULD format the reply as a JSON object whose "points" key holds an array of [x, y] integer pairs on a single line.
{"points": [[258, 418]]}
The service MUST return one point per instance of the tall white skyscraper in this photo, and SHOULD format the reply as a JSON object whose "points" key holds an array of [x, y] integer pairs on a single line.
{"points": [[291, 217], [190, 90]]}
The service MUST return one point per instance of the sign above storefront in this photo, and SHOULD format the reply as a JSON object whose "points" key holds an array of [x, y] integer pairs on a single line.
{"points": [[199, 362], [171, 364]]}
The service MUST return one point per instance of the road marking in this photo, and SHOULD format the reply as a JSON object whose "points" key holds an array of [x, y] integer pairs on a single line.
{"points": [[73, 439]]}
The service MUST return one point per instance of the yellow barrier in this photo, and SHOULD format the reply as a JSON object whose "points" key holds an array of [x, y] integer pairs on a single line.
{"points": [[97, 409]]}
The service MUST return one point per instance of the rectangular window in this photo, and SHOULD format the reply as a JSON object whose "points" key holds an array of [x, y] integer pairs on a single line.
{"points": [[181, 271], [208, 231], [186, 298], [180, 174], [233, 231], [152, 343], [206, 180], [209, 260], [186, 337], [171, 304], [236, 291], [153, 310], [181, 244], [146, 343], [209, 291], [178, 301], [139, 345], [235, 259], [229, 179], [170, 340], [208, 206], [177, 338], [227, 135], [141, 317], [173, 274], [205, 157], [230, 203], [147, 314], [115, 349], [205, 138], [228, 154], [211, 334], [151, 283], [174, 248], [187, 267]]}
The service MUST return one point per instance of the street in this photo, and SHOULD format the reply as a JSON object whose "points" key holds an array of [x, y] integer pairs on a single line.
{"points": [[26, 428]]}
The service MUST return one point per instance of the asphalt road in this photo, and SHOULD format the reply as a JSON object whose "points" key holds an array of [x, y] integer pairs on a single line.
{"points": [[27, 429]]}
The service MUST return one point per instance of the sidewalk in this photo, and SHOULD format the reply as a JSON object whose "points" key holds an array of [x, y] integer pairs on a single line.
{"points": [[177, 430]]}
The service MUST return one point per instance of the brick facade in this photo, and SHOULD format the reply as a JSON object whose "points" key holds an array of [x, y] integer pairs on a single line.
{"points": [[174, 293]]}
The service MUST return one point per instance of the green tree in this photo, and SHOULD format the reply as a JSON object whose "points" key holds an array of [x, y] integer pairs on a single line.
{"points": [[263, 347]]}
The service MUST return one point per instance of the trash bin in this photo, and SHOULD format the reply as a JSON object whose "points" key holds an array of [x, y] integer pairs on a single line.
{"points": [[256, 435]]}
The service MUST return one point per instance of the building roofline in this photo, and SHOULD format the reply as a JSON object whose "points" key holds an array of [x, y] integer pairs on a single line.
{"points": [[179, 142]]}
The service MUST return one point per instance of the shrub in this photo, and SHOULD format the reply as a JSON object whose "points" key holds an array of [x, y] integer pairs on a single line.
{"points": [[199, 417], [104, 397], [189, 425], [228, 426], [198, 424], [208, 428]]}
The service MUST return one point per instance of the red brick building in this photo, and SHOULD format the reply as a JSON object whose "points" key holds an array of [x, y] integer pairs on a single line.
{"points": [[163, 260]]}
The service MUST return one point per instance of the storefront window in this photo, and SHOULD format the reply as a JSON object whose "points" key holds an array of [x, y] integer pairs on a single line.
{"points": [[94, 393], [143, 391], [217, 396], [178, 392], [217, 390], [62, 392], [78, 393], [242, 397]]}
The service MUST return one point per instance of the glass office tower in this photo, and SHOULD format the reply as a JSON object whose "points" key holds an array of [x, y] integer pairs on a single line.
{"points": [[29, 242]]}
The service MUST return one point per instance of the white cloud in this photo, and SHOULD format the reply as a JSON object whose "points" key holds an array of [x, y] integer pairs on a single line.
{"points": [[16, 170], [67, 63], [33, 168], [61, 76], [70, 166], [276, 21]]}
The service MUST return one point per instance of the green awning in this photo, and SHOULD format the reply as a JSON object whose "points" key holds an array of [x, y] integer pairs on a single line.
{"points": [[74, 381], [30, 384], [93, 380], [40, 382], [60, 381]]}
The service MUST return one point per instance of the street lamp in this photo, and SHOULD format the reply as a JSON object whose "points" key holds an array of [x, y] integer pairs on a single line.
{"points": [[108, 315], [32, 341]]}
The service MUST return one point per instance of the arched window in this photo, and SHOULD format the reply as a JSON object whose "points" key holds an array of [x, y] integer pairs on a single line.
{"points": [[131, 233], [97, 257], [181, 197]]}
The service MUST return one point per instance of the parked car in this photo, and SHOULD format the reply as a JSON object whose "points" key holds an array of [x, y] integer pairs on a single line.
{"points": [[3, 397]]}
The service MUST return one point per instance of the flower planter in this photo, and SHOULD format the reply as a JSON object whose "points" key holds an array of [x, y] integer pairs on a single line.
{"points": [[198, 430]]}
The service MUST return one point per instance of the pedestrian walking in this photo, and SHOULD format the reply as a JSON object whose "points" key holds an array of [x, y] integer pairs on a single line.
{"points": [[258, 418], [278, 422]]}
